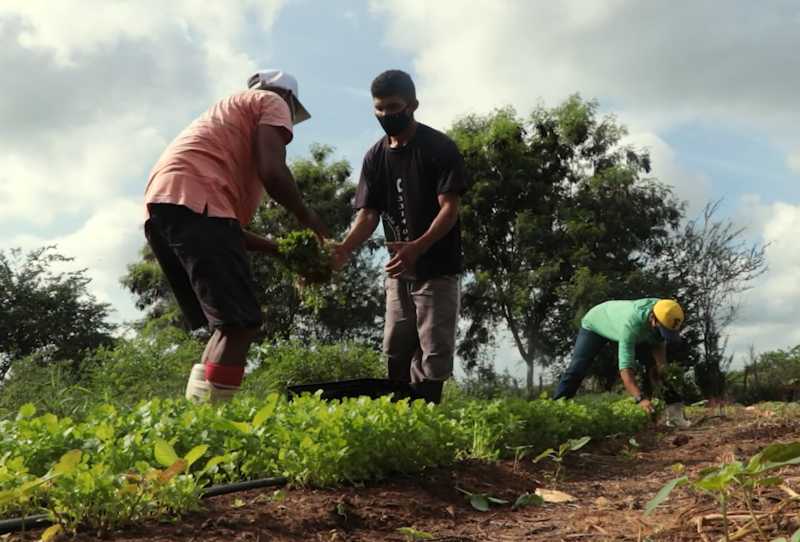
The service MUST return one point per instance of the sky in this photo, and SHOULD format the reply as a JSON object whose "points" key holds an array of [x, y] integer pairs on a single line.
{"points": [[93, 91]]}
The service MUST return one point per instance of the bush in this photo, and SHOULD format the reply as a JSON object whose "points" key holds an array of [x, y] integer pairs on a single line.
{"points": [[292, 362], [485, 385], [156, 363], [52, 386], [153, 364]]}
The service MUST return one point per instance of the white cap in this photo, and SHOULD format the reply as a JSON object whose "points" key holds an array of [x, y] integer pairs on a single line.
{"points": [[277, 79]]}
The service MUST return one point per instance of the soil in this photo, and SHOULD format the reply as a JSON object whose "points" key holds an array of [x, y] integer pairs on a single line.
{"points": [[611, 479]]}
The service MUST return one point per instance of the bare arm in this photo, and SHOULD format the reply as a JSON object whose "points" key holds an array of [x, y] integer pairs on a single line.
{"points": [[660, 357], [447, 217], [256, 243], [405, 254], [270, 154], [629, 381], [362, 228]]}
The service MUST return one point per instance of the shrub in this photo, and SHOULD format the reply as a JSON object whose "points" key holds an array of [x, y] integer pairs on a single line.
{"points": [[52, 386], [156, 363]]}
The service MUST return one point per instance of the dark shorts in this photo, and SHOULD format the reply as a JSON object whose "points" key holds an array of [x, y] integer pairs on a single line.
{"points": [[206, 264]]}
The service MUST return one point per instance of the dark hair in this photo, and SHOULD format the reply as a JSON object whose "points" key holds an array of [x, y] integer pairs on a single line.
{"points": [[394, 83]]}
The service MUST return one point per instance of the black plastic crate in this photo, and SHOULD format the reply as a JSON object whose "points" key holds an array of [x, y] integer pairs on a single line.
{"points": [[359, 387]]}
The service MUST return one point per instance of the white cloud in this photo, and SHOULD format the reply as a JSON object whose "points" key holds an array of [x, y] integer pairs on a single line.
{"points": [[793, 160], [100, 88], [694, 188], [769, 310], [666, 61], [93, 91], [103, 245]]}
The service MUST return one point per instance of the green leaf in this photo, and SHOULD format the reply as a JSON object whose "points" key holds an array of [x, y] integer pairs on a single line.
{"points": [[194, 454], [780, 453], [527, 499], [51, 533], [544, 454], [266, 411], [244, 427], [577, 444], [165, 453], [68, 463], [104, 432], [795, 536], [7, 496], [495, 500], [414, 534], [213, 462], [479, 502], [28, 410], [663, 493], [771, 481]]}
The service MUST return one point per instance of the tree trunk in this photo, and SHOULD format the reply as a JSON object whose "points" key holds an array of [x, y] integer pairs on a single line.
{"points": [[529, 380]]}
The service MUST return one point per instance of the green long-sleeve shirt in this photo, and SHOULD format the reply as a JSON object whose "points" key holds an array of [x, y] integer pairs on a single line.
{"points": [[626, 323]]}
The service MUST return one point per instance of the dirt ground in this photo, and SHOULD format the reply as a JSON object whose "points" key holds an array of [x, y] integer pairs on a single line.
{"points": [[611, 480]]}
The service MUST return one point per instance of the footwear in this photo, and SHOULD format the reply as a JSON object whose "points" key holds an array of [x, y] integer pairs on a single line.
{"points": [[200, 390], [428, 390], [675, 416]]}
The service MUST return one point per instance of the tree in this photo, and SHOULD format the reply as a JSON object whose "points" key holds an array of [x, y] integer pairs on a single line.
{"points": [[47, 312], [711, 265], [558, 218], [350, 308]]}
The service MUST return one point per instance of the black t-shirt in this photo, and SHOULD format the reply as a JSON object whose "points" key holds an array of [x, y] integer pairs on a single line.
{"points": [[403, 184]]}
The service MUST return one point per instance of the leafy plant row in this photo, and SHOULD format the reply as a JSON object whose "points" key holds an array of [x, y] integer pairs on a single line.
{"points": [[116, 467]]}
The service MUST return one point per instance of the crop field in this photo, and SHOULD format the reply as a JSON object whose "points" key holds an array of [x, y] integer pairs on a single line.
{"points": [[376, 470]]}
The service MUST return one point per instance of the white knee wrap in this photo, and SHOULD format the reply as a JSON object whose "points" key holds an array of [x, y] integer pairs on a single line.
{"points": [[200, 390]]}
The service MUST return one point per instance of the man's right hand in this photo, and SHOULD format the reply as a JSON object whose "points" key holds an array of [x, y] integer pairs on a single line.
{"points": [[647, 406], [341, 255]]}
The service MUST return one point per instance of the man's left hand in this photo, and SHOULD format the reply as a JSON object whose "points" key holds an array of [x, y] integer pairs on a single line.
{"points": [[404, 257]]}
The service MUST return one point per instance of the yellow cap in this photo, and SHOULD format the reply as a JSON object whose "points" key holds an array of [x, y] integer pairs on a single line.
{"points": [[669, 314]]}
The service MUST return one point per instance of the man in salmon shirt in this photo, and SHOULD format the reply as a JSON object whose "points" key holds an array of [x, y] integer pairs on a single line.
{"points": [[641, 328], [201, 194]]}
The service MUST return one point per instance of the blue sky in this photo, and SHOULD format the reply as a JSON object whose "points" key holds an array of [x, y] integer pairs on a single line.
{"points": [[98, 88]]}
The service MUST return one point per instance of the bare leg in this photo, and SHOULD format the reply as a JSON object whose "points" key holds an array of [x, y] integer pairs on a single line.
{"points": [[229, 346], [219, 376]]}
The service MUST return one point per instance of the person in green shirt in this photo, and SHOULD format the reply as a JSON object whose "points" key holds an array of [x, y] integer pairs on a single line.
{"points": [[639, 327]]}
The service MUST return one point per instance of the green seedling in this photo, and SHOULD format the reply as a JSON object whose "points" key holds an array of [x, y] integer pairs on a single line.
{"points": [[725, 481], [527, 499], [520, 452], [631, 449], [413, 535], [481, 501], [557, 456], [130, 470]]}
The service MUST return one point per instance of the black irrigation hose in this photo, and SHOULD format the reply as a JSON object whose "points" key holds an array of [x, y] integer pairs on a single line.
{"points": [[215, 491], [42, 520], [29, 522]]}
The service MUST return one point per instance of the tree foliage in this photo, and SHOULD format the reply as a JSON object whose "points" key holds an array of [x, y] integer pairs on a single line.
{"points": [[559, 217], [46, 312], [710, 263]]}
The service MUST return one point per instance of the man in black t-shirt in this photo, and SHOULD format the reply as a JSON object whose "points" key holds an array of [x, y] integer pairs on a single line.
{"points": [[412, 181]]}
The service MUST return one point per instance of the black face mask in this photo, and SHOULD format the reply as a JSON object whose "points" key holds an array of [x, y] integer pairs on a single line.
{"points": [[395, 123]]}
